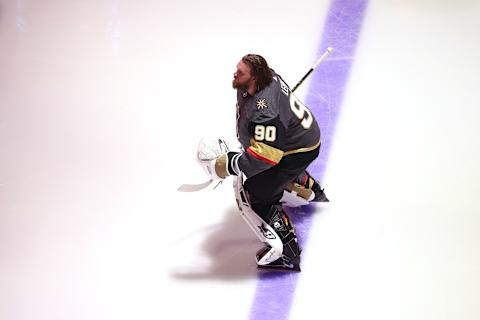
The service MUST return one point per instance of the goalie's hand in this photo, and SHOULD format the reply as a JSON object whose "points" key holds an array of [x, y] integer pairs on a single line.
{"points": [[214, 157], [215, 167], [221, 167]]}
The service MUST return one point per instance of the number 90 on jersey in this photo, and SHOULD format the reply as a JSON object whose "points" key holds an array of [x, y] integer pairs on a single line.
{"points": [[267, 133]]}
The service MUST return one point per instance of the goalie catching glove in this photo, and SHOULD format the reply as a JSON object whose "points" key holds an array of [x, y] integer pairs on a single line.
{"points": [[215, 158]]}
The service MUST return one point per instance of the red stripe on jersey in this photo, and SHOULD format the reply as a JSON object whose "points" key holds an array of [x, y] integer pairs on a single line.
{"points": [[259, 157], [305, 180]]}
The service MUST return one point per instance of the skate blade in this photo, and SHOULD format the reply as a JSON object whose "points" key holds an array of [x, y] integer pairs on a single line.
{"points": [[278, 268]]}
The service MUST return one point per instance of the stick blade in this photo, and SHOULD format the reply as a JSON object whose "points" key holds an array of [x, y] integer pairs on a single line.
{"points": [[194, 187]]}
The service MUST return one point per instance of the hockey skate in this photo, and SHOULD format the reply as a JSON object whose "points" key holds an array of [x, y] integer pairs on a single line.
{"points": [[319, 193], [281, 264]]}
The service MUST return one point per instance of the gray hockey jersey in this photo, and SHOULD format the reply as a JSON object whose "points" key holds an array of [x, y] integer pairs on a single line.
{"points": [[272, 124]]}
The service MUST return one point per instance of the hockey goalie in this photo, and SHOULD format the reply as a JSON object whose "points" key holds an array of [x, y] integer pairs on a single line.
{"points": [[280, 138]]}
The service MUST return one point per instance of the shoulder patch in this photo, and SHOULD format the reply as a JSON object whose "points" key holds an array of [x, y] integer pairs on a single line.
{"points": [[262, 104]]}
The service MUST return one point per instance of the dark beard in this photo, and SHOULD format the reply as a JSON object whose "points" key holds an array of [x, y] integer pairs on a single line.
{"points": [[238, 86]]}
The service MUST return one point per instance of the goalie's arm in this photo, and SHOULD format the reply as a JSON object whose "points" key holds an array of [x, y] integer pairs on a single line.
{"points": [[265, 150]]}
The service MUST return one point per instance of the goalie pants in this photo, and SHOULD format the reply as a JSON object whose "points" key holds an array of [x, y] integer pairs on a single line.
{"points": [[266, 188], [265, 191]]}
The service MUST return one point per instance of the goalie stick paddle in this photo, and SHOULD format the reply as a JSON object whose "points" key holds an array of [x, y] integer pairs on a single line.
{"points": [[194, 187]]}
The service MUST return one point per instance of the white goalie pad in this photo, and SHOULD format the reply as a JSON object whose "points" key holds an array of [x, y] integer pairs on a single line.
{"points": [[292, 199], [264, 232], [296, 195]]}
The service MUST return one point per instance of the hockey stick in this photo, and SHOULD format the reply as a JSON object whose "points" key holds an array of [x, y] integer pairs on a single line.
{"points": [[194, 187], [320, 60], [203, 185]]}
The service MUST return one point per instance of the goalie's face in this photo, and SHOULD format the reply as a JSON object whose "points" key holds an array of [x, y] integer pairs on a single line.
{"points": [[242, 78]]}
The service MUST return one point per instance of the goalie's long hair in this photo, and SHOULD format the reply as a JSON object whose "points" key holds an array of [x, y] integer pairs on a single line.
{"points": [[260, 70]]}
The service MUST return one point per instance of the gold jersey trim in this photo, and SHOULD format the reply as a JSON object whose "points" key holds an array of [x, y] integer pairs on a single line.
{"points": [[307, 149], [265, 152]]}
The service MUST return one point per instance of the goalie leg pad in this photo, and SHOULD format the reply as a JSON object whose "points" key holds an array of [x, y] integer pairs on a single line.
{"points": [[296, 195], [280, 222], [262, 229], [275, 230], [290, 258]]}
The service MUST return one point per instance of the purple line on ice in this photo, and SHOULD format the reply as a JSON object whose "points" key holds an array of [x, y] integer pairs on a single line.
{"points": [[274, 292]]}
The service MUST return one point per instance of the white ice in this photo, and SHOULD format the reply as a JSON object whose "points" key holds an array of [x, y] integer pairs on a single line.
{"points": [[102, 104]]}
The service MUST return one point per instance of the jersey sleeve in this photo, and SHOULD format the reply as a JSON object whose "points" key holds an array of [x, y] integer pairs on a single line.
{"points": [[266, 147]]}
